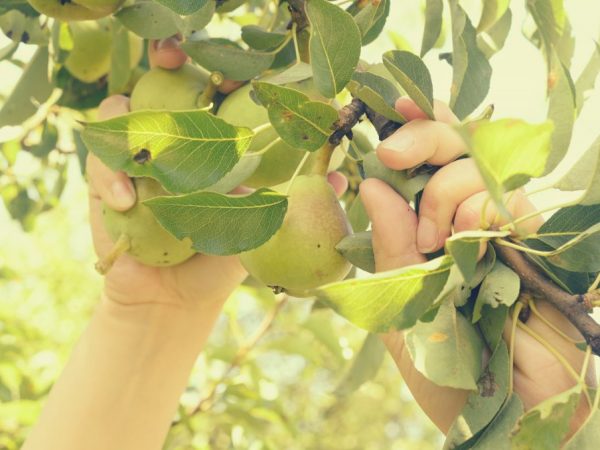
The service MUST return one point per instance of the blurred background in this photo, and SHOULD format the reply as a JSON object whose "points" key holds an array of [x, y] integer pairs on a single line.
{"points": [[298, 388]]}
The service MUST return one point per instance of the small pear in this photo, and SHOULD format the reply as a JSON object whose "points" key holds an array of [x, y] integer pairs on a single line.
{"points": [[301, 255], [137, 232], [175, 90]]}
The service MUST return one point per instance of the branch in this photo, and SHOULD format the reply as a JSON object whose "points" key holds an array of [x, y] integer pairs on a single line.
{"points": [[575, 308], [349, 116]]}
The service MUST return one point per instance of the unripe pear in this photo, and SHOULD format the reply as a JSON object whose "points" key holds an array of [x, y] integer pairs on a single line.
{"points": [[174, 90], [137, 232], [301, 255], [69, 10]]}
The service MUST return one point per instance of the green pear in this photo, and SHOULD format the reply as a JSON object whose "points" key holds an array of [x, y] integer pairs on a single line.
{"points": [[301, 255], [137, 232], [69, 10], [90, 58], [175, 90]]}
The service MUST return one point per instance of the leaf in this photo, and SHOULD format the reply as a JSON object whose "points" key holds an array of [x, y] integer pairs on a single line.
{"points": [[588, 434], [388, 300], [412, 74], [358, 249], [198, 20], [357, 215], [585, 175], [377, 93], [365, 366], [587, 79], [260, 39], [371, 20], [545, 425], [184, 150], [508, 153], [301, 122], [492, 323], [119, 74], [491, 41], [399, 180], [550, 18], [334, 55], [497, 435], [33, 87], [482, 405], [150, 20], [222, 224], [233, 62], [434, 15], [471, 70], [447, 351], [183, 7], [464, 249], [492, 11], [561, 110], [500, 287]]}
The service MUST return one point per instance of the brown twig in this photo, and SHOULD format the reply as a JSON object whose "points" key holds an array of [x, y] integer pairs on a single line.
{"points": [[207, 402], [349, 116], [574, 307]]}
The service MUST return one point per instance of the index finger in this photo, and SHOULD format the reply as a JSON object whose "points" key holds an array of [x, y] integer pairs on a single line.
{"points": [[422, 140]]}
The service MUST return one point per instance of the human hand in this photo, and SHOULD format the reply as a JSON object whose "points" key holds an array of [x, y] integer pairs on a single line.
{"points": [[453, 200]]}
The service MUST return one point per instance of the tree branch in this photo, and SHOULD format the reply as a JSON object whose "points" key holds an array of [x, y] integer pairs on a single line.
{"points": [[575, 308]]}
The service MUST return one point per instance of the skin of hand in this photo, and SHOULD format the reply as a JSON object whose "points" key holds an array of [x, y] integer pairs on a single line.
{"points": [[453, 201]]}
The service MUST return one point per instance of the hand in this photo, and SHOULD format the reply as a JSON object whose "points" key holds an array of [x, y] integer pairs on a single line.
{"points": [[200, 279], [453, 200]]}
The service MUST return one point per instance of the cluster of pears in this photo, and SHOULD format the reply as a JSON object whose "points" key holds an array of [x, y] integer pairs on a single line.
{"points": [[136, 231], [69, 10]]}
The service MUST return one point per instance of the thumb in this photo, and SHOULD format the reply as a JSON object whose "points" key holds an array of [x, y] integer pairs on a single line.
{"points": [[394, 225]]}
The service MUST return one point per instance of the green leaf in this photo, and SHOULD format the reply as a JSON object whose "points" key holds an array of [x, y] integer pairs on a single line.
{"points": [[587, 79], [471, 70], [377, 93], [482, 406], [492, 323], [183, 7], [550, 18], [500, 287], [447, 351], [233, 62], [357, 215], [260, 39], [119, 74], [198, 20], [492, 11], [184, 150], [150, 20], [371, 20], [222, 224], [388, 300], [544, 426], [301, 122], [497, 435], [334, 55], [33, 87], [399, 180], [508, 153], [588, 435], [464, 249], [358, 249], [434, 15], [585, 175], [365, 366], [561, 111], [491, 41], [412, 74]]}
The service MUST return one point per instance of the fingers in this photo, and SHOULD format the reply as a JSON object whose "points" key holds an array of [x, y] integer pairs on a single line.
{"points": [[166, 53], [447, 189], [409, 109], [114, 188], [394, 226], [339, 182]]}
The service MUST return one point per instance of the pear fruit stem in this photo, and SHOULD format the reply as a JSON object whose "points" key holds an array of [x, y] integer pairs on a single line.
{"points": [[121, 246], [320, 165], [214, 81]]}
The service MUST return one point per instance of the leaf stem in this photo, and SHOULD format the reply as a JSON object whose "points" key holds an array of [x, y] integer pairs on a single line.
{"points": [[281, 46], [296, 172], [533, 214], [121, 246], [505, 243], [537, 313], [595, 284]]}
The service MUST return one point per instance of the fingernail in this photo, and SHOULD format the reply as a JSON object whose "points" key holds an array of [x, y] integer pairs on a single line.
{"points": [[123, 194], [399, 142], [167, 44], [427, 235]]}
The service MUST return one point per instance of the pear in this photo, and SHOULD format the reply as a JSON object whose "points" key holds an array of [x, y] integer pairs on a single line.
{"points": [[137, 232], [301, 255], [175, 90], [69, 10], [90, 58]]}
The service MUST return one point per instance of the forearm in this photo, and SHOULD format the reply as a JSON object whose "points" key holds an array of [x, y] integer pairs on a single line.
{"points": [[121, 387]]}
